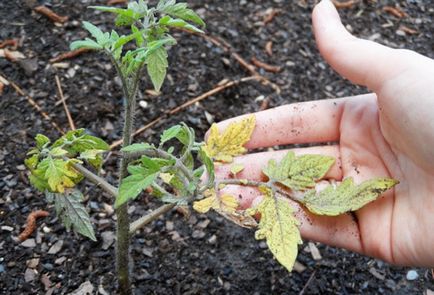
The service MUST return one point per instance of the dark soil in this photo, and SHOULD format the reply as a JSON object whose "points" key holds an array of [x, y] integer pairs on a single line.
{"points": [[173, 256]]}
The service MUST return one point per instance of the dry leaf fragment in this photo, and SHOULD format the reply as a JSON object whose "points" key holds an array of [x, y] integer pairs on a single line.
{"points": [[68, 55], [31, 223], [114, 2], [269, 48], [54, 17], [265, 66], [12, 43], [345, 4], [11, 55], [395, 11], [223, 147]]}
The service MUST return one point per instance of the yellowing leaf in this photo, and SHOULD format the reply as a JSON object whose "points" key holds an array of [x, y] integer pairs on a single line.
{"points": [[346, 197], [59, 174], [279, 227], [237, 168], [299, 173], [226, 206], [225, 203], [223, 147]]}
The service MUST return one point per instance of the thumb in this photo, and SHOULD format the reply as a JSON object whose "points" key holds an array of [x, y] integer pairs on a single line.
{"points": [[363, 62]]}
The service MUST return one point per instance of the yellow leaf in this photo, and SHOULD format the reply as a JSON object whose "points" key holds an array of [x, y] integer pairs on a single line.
{"points": [[347, 196], [223, 147], [204, 205], [225, 203], [279, 227]]}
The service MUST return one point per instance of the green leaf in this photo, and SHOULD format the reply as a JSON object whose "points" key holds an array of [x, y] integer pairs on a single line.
{"points": [[132, 186], [125, 17], [197, 173], [93, 157], [77, 141], [346, 197], [279, 227], [136, 147], [87, 43], [299, 173], [157, 66], [73, 214], [138, 35], [32, 161], [37, 179], [181, 11], [41, 141], [170, 133], [101, 38], [58, 152], [178, 23], [209, 165]]}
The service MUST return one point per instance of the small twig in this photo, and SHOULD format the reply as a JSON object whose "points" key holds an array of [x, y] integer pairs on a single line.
{"points": [[34, 104], [65, 107], [175, 110], [267, 67], [13, 43], [264, 104], [143, 221], [269, 48], [395, 11], [345, 4], [68, 55], [408, 30], [99, 181], [307, 283], [31, 224], [3, 83], [114, 2], [54, 17], [271, 15]]}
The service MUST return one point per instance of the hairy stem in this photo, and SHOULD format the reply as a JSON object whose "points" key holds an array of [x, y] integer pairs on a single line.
{"points": [[123, 221], [144, 220]]}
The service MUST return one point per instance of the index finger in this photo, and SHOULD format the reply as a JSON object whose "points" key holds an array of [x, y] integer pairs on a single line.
{"points": [[305, 122]]}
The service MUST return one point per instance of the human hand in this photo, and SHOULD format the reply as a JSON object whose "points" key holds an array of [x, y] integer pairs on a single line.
{"points": [[389, 133]]}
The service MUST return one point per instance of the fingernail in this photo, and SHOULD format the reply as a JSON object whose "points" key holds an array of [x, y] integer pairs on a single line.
{"points": [[328, 10]]}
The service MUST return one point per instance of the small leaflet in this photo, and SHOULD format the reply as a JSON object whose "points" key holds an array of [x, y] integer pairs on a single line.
{"points": [[279, 227], [226, 203], [226, 206], [223, 147], [132, 186], [346, 197], [299, 173]]}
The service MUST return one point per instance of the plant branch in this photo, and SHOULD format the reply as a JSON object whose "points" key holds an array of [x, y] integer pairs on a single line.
{"points": [[99, 181], [143, 221]]}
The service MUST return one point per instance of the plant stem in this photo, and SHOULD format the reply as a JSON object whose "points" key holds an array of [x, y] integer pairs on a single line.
{"points": [[144, 220], [123, 221]]}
